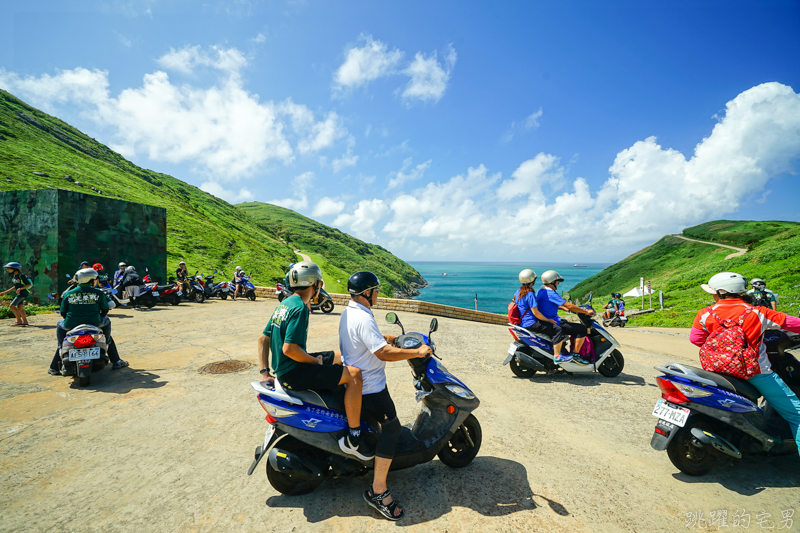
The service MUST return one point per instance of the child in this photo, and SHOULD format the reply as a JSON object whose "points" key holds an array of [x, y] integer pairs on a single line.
{"points": [[21, 286]]}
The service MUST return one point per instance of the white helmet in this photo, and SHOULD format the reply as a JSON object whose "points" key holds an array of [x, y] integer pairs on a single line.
{"points": [[130, 269], [527, 276], [85, 275], [551, 276], [304, 274], [238, 269], [758, 281], [181, 263], [725, 283], [123, 264]]}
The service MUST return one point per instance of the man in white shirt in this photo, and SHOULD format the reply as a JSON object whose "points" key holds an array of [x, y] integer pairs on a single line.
{"points": [[363, 346]]}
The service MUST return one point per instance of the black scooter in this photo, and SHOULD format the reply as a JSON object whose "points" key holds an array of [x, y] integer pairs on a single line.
{"points": [[301, 442], [323, 302]]}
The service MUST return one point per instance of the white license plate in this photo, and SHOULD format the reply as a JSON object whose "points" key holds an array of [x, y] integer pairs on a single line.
{"points": [[180, 293], [155, 293], [84, 353], [671, 414], [512, 349]]}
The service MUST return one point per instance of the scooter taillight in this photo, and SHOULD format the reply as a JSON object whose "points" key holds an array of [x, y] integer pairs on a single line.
{"points": [[269, 419], [670, 392], [513, 334], [84, 341]]}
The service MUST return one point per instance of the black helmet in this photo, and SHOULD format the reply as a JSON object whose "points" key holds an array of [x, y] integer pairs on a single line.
{"points": [[616, 295], [361, 282]]}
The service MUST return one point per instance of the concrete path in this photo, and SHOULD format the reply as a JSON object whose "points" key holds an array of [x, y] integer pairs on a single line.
{"points": [[739, 251], [304, 256]]}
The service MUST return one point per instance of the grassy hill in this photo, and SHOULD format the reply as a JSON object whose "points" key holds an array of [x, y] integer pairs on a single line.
{"points": [[678, 267], [203, 230], [337, 253]]}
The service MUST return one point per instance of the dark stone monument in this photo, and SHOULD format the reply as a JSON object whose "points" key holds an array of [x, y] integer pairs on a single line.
{"points": [[51, 231]]}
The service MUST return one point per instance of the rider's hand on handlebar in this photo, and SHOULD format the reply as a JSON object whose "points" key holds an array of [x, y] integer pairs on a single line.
{"points": [[319, 359], [424, 350]]}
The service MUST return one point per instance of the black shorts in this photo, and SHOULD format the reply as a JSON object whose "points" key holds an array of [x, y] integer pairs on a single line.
{"points": [[379, 406], [557, 333], [313, 377]]}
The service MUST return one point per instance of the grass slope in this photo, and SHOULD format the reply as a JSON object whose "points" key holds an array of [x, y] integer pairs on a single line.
{"points": [[678, 267], [337, 253], [203, 230]]}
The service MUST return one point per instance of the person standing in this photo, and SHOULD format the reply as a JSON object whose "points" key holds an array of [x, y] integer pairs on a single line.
{"points": [[730, 309], [119, 274], [364, 347], [237, 282], [20, 290]]}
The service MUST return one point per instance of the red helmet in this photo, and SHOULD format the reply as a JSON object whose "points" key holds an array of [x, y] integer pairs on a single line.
{"points": [[97, 267]]}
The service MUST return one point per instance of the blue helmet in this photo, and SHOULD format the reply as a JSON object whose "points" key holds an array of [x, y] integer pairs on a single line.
{"points": [[13, 264]]}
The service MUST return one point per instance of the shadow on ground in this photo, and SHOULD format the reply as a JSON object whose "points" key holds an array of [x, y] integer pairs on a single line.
{"points": [[752, 475], [490, 486], [120, 381], [588, 379]]}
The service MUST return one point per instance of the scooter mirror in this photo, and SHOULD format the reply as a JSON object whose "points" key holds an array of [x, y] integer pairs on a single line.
{"points": [[591, 295], [434, 325], [391, 318], [67, 275]]}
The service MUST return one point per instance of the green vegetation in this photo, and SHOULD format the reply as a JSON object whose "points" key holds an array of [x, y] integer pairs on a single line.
{"points": [[39, 151], [678, 267], [30, 310], [337, 253]]}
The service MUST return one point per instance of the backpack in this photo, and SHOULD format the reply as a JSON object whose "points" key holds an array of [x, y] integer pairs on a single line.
{"points": [[726, 350], [514, 317]]}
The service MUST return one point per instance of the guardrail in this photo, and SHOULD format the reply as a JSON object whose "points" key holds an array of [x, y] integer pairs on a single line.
{"points": [[412, 306]]}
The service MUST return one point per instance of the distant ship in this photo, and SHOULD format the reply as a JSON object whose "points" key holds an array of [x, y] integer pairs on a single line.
{"points": [[579, 266]]}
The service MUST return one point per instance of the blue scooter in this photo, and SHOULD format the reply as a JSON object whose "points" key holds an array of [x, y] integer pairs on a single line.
{"points": [[705, 417], [248, 289], [301, 443]]}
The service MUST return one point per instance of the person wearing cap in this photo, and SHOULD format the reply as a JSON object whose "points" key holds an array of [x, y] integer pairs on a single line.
{"points": [[237, 281], [20, 290], [84, 304], [119, 274], [549, 302], [762, 297], [294, 368], [525, 298], [364, 346], [180, 275], [728, 289]]}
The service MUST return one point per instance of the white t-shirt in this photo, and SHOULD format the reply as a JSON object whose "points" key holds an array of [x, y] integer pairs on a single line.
{"points": [[359, 339]]}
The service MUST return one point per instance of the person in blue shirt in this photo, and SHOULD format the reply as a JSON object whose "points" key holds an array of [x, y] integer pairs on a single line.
{"points": [[549, 302], [525, 297]]}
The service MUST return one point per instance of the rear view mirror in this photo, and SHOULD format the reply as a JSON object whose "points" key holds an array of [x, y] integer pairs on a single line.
{"points": [[391, 318], [434, 325], [591, 295], [67, 276]]}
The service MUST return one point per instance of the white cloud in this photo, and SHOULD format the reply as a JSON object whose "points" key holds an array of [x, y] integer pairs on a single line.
{"points": [[362, 221], [531, 175], [299, 185], [347, 160], [428, 77], [327, 207], [225, 131], [532, 122], [260, 38], [403, 175], [228, 195], [124, 41], [366, 63]]}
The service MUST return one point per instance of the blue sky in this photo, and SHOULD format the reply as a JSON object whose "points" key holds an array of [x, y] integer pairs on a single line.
{"points": [[532, 131]]}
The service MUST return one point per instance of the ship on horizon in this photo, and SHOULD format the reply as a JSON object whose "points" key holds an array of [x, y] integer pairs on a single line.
{"points": [[579, 266]]}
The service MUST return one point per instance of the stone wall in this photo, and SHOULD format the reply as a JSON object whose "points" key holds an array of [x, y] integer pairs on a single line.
{"points": [[412, 306]]}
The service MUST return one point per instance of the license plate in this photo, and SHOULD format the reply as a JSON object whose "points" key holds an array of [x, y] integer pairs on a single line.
{"points": [[84, 353], [180, 293], [673, 415], [512, 349], [155, 293]]}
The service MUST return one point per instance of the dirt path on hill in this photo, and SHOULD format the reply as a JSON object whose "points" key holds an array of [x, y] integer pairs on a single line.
{"points": [[160, 447], [304, 256], [739, 251]]}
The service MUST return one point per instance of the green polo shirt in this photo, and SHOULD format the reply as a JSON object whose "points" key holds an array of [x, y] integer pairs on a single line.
{"points": [[82, 305], [289, 323]]}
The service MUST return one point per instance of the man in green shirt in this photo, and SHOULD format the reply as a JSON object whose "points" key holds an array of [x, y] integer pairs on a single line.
{"points": [[84, 305], [294, 368], [615, 304]]}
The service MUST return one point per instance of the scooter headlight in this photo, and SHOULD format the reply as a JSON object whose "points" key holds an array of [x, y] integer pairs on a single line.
{"points": [[460, 391]]}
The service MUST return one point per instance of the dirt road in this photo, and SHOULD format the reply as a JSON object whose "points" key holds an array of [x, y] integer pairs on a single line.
{"points": [[737, 253], [160, 447]]}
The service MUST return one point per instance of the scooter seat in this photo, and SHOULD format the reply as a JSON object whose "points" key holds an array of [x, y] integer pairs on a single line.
{"points": [[164, 287], [731, 383], [329, 399]]}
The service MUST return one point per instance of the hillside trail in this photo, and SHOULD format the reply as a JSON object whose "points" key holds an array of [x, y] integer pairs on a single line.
{"points": [[304, 256], [739, 251]]}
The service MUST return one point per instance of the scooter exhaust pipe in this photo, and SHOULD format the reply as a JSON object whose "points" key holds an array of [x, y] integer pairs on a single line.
{"points": [[526, 360], [292, 465], [715, 441]]}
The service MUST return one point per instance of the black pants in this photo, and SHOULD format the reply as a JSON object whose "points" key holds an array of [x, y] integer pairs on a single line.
{"points": [[61, 334], [559, 332], [380, 406]]}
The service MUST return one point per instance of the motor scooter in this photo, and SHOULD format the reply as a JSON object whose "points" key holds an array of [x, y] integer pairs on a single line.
{"points": [[84, 351], [196, 291], [219, 290], [618, 320], [323, 302], [533, 352], [707, 419], [248, 289], [301, 442]]}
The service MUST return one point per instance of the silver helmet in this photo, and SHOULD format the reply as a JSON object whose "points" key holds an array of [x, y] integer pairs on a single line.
{"points": [[527, 276], [85, 275], [304, 274], [551, 276], [725, 283]]}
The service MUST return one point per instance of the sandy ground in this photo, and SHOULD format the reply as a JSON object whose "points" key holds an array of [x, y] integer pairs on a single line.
{"points": [[160, 447]]}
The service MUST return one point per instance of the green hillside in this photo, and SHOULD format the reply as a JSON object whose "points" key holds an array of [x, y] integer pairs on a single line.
{"points": [[39, 151], [337, 253], [678, 267]]}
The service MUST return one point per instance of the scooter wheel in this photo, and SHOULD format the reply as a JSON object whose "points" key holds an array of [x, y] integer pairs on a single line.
{"points": [[459, 450], [685, 455], [224, 296], [613, 365], [84, 382], [287, 484], [280, 297], [199, 297], [520, 371], [176, 300], [327, 307], [252, 295]]}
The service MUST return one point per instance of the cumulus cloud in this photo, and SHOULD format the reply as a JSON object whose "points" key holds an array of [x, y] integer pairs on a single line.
{"points": [[405, 175], [366, 63], [228, 195], [650, 189], [429, 77], [347, 160], [223, 129], [299, 186], [362, 221], [327, 207]]}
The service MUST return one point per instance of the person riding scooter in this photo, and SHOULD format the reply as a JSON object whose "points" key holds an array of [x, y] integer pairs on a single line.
{"points": [[364, 347], [237, 282], [615, 305], [750, 362], [84, 305], [762, 297]]}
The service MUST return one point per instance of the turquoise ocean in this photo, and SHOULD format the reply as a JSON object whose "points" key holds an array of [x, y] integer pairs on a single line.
{"points": [[494, 283]]}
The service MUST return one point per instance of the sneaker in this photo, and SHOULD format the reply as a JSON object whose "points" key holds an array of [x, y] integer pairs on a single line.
{"points": [[119, 364], [359, 451], [576, 358], [54, 372], [561, 358]]}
